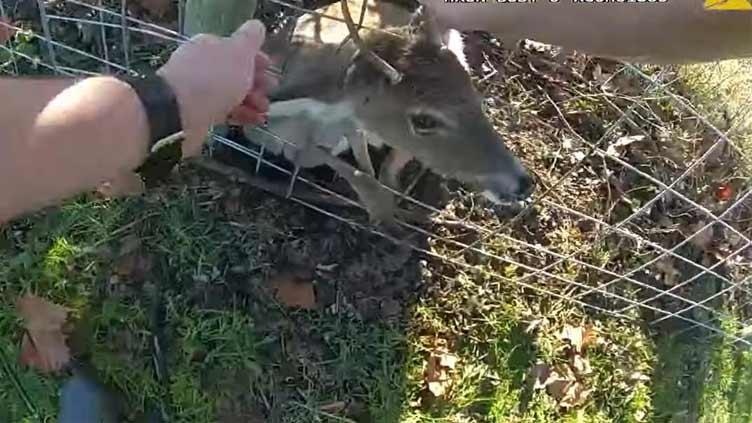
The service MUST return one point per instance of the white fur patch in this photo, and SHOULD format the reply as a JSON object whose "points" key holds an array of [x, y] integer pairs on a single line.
{"points": [[318, 110], [325, 114], [455, 44]]}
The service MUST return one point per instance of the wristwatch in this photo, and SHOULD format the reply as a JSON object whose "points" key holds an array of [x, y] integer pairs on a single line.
{"points": [[165, 127]]}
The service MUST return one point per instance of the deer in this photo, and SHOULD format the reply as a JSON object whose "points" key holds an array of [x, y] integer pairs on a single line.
{"points": [[332, 97]]}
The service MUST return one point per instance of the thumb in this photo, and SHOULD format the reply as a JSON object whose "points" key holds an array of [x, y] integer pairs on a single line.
{"points": [[249, 37], [248, 40]]}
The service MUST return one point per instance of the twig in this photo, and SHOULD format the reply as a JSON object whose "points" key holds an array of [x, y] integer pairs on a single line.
{"points": [[394, 76]]}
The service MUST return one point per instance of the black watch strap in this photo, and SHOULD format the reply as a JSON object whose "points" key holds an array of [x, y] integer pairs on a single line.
{"points": [[163, 115]]}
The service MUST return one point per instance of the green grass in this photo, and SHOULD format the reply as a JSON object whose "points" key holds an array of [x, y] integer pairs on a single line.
{"points": [[233, 353], [292, 362], [721, 91], [702, 378], [216, 347]]}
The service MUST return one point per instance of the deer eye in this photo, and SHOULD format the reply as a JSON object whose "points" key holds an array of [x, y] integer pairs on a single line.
{"points": [[423, 123]]}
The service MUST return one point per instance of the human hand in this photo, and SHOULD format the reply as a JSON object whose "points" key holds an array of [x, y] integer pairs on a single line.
{"points": [[216, 78], [256, 103]]}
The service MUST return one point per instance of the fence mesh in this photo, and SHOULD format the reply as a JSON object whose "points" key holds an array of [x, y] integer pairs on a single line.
{"points": [[648, 196], [643, 206]]}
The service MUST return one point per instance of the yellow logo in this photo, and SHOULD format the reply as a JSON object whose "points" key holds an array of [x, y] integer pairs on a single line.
{"points": [[728, 4]]}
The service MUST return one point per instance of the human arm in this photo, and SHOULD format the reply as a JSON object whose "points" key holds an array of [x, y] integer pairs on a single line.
{"points": [[60, 137], [659, 33]]}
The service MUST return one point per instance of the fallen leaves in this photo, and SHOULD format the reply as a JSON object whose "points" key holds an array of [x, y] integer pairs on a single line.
{"points": [[724, 192], [44, 343], [293, 290], [614, 149], [566, 388], [438, 370], [6, 31], [565, 383], [156, 8], [669, 273], [702, 237], [578, 337], [133, 263]]}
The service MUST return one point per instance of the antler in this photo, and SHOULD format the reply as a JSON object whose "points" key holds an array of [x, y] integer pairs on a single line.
{"points": [[393, 74]]}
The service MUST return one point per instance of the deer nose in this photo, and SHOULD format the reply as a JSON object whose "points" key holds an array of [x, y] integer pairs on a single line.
{"points": [[525, 187]]}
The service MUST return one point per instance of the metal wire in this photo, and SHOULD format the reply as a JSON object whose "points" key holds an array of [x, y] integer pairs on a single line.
{"points": [[11, 52], [448, 259], [126, 25]]}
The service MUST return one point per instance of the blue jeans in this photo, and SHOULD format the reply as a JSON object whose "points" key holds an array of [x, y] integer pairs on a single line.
{"points": [[83, 400]]}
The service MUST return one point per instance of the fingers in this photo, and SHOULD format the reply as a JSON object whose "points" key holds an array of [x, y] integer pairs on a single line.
{"points": [[249, 38], [247, 41], [252, 110], [257, 101], [263, 82], [246, 116]]}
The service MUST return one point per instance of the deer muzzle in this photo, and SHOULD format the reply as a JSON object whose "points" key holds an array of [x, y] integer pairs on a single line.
{"points": [[507, 186]]}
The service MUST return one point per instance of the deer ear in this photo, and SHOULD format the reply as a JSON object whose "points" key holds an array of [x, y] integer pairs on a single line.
{"points": [[424, 25], [452, 41]]}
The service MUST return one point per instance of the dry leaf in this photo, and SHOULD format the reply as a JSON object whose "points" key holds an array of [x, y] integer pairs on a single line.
{"points": [[669, 273], [232, 205], [133, 263], [448, 360], [292, 291], [533, 325], [129, 244], [6, 33], [639, 377], [559, 387], [724, 192], [598, 73], [135, 267], [578, 337], [157, 8], [704, 238], [232, 202], [575, 395], [43, 346], [327, 267], [334, 407], [437, 370], [613, 148], [566, 389], [540, 373], [581, 365], [436, 388]]}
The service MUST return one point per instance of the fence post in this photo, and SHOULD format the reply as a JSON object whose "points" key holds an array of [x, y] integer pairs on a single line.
{"points": [[218, 17]]}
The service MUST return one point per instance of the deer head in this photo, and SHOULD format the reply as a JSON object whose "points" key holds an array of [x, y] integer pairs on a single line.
{"points": [[433, 112]]}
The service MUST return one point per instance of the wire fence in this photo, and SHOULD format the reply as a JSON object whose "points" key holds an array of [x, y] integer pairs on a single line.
{"points": [[684, 253]]}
